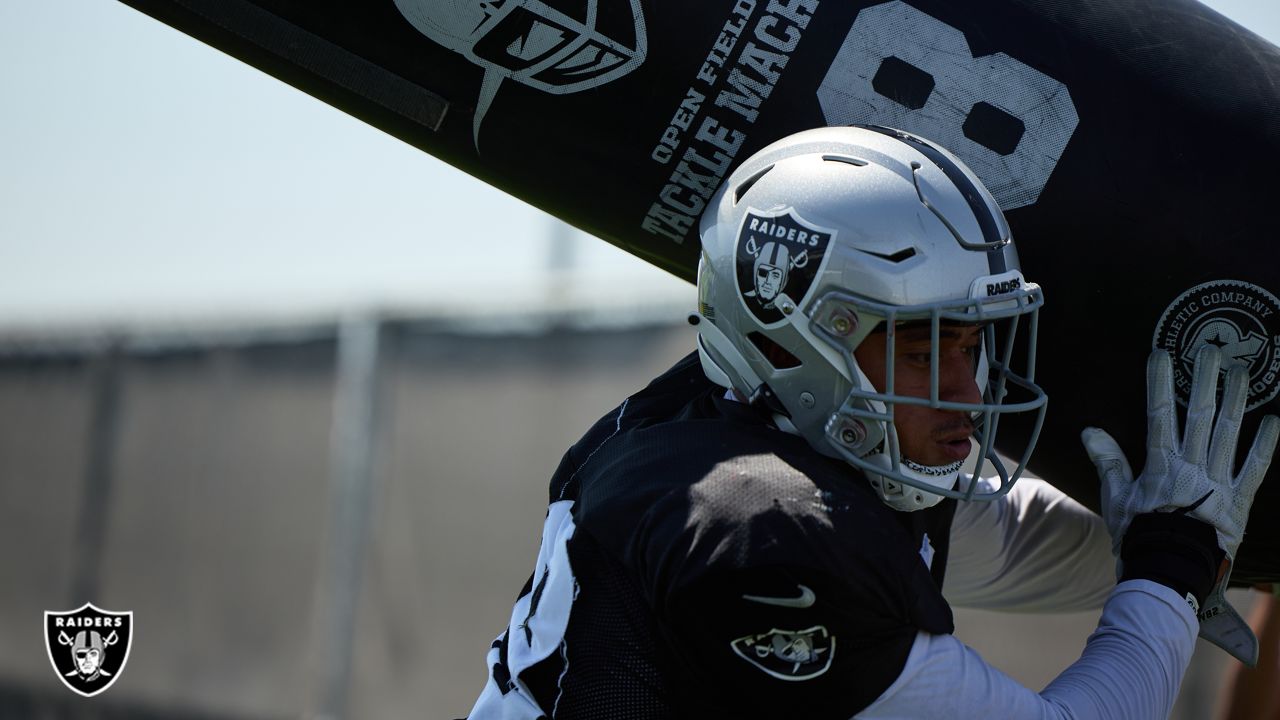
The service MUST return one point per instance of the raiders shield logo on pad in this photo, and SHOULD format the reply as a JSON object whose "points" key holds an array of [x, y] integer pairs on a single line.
{"points": [[778, 255], [789, 654], [88, 647]]}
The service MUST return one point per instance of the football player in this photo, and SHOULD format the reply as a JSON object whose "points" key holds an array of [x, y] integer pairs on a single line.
{"points": [[779, 525]]}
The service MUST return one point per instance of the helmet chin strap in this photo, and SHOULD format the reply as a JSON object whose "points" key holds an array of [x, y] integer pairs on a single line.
{"points": [[906, 498]]}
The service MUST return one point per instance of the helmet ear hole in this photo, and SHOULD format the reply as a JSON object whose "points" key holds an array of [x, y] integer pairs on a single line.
{"points": [[777, 356]]}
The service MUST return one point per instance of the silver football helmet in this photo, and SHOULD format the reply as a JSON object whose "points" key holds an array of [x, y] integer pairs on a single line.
{"points": [[829, 235]]}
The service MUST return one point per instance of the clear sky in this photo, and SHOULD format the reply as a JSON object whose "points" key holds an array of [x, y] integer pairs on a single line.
{"points": [[146, 176]]}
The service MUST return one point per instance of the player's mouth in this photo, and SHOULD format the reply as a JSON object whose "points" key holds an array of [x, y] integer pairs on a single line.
{"points": [[956, 444]]}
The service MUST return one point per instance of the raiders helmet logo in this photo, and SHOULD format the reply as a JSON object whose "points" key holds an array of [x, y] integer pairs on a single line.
{"points": [[88, 647], [778, 256], [788, 654]]}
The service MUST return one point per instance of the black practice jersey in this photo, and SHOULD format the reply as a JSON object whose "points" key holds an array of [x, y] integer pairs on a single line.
{"points": [[699, 562]]}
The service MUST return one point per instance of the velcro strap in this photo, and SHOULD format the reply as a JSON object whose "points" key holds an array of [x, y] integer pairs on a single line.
{"points": [[1175, 550]]}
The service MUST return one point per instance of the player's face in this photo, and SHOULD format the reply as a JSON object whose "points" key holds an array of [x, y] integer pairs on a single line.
{"points": [[928, 436], [769, 280], [87, 660]]}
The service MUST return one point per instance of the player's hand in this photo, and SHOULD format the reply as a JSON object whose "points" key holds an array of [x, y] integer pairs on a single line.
{"points": [[1196, 471], [1192, 475]]}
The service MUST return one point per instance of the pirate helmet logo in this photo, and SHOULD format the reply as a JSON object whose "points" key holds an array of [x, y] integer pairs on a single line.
{"points": [[778, 256], [773, 265], [88, 647], [548, 46], [788, 654]]}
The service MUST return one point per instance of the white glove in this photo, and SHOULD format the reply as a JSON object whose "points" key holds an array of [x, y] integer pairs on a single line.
{"points": [[1192, 475]]}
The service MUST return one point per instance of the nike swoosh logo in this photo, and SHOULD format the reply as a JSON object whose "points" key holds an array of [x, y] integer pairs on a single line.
{"points": [[806, 599]]}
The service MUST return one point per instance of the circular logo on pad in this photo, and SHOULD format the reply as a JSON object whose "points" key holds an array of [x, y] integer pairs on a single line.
{"points": [[1240, 319]]}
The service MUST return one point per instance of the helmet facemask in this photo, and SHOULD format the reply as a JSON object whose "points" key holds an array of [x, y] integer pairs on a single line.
{"points": [[863, 429]]}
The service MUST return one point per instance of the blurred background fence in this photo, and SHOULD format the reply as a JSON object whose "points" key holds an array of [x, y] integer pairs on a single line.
{"points": [[323, 521]]}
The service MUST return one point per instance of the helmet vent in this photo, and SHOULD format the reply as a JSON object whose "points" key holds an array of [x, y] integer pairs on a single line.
{"points": [[775, 354], [846, 159], [745, 185], [895, 257]]}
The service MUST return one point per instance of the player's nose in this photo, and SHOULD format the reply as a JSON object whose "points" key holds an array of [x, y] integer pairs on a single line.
{"points": [[956, 380]]}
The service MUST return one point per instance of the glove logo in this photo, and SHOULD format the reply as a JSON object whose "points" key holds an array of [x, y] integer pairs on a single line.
{"points": [[788, 654], [1241, 319], [778, 257], [88, 647]]}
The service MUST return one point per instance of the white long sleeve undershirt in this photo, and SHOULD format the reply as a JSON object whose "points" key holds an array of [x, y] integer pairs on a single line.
{"points": [[1131, 669], [1038, 550], [1034, 550]]}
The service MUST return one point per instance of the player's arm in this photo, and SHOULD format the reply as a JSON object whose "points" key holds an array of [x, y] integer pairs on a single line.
{"points": [[1130, 669], [1033, 550], [1173, 528], [791, 642]]}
